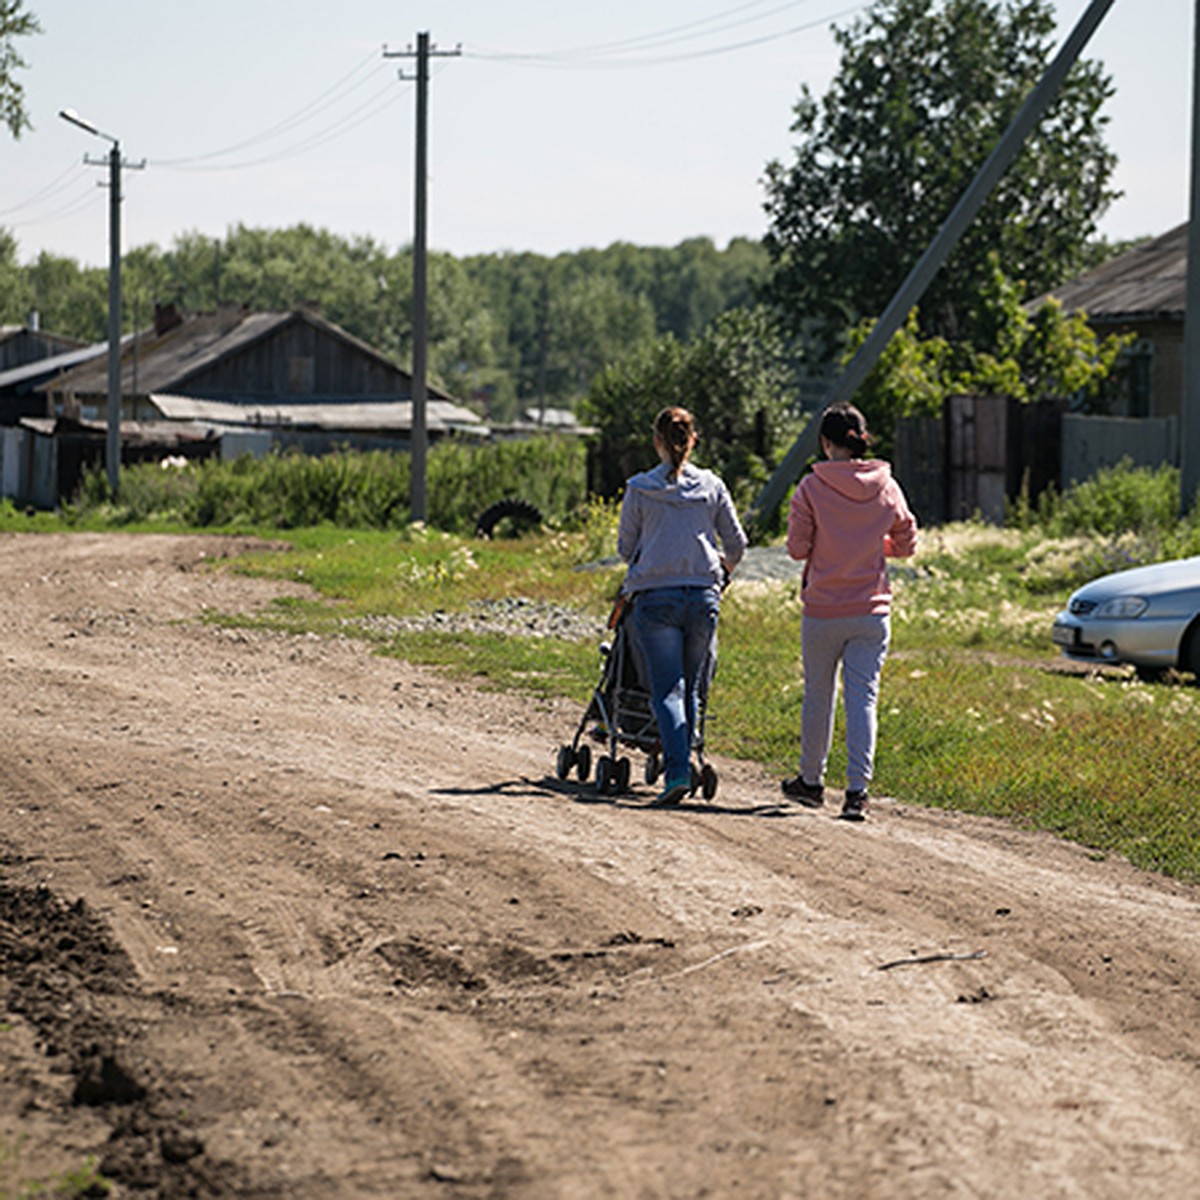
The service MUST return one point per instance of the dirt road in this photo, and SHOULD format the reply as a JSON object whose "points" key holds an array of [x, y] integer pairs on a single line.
{"points": [[282, 919]]}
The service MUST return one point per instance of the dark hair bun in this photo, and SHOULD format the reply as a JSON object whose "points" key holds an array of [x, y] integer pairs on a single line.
{"points": [[845, 426]]}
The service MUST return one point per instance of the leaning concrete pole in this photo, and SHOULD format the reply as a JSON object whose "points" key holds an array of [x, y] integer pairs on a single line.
{"points": [[1189, 415], [920, 277]]}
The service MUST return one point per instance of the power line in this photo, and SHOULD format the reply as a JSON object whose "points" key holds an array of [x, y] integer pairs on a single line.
{"points": [[389, 96], [55, 186], [599, 57], [661, 35], [78, 204], [307, 112]]}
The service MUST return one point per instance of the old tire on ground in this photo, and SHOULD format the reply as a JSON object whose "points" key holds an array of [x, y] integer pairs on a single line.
{"points": [[519, 516]]}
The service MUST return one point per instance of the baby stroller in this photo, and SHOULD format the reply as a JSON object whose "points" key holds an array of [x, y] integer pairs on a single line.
{"points": [[619, 715]]}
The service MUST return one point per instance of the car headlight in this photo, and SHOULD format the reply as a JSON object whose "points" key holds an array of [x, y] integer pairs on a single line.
{"points": [[1124, 607]]}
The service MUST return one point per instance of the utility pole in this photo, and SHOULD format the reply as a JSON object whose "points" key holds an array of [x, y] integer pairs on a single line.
{"points": [[1189, 413], [112, 449], [423, 53], [928, 265]]}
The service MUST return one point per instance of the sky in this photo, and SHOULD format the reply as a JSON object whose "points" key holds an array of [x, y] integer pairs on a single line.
{"points": [[554, 125]]}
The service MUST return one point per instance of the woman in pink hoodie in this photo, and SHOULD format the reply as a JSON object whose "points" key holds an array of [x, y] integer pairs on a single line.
{"points": [[846, 518]]}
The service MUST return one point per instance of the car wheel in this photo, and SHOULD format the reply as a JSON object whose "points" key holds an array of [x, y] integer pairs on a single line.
{"points": [[1189, 651]]}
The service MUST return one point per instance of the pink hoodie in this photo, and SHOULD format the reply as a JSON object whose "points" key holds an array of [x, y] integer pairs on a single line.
{"points": [[845, 519]]}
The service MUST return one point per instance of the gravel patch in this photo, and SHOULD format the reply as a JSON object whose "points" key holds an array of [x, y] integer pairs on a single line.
{"points": [[518, 616], [514, 616]]}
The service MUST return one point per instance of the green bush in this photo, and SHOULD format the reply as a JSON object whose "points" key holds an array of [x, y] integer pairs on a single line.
{"points": [[1129, 516], [348, 489], [1116, 500]]}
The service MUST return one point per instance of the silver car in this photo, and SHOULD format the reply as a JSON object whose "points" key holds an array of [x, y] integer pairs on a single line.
{"points": [[1148, 617]]}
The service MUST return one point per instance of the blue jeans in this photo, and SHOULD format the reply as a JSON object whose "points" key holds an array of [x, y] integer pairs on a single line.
{"points": [[676, 629]]}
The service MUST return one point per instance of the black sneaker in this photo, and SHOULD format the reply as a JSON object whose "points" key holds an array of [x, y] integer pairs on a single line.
{"points": [[854, 807], [811, 795]]}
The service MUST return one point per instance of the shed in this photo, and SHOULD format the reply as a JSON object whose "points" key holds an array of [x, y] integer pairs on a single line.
{"points": [[317, 426], [42, 459], [23, 344]]}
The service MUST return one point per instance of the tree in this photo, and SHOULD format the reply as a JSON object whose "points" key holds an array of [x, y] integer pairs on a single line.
{"points": [[1043, 355], [924, 90], [733, 379], [15, 22], [15, 294], [69, 299], [590, 324]]}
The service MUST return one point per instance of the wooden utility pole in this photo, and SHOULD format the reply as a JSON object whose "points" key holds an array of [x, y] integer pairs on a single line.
{"points": [[419, 442]]}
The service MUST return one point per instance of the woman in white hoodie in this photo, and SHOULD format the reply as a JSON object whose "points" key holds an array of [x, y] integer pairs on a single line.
{"points": [[681, 537]]}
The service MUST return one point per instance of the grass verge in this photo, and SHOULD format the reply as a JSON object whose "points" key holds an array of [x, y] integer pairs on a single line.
{"points": [[975, 714]]}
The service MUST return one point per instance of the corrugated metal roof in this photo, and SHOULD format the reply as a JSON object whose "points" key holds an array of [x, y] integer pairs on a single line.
{"points": [[53, 365], [366, 414], [1147, 282], [167, 433]]}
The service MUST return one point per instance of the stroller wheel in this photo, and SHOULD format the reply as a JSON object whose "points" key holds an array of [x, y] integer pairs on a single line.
{"points": [[695, 780], [708, 781], [604, 774], [653, 767], [621, 783], [583, 762], [566, 759]]}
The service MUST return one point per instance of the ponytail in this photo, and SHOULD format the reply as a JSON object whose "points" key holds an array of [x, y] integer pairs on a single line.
{"points": [[675, 428]]}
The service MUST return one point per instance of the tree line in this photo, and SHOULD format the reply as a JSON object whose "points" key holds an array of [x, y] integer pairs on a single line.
{"points": [[923, 90], [506, 331]]}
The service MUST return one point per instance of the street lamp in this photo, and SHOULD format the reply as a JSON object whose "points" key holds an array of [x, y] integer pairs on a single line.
{"points": [[112, 456]]}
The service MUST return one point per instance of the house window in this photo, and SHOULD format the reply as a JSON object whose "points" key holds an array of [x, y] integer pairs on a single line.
{"points": [[301, 375]]}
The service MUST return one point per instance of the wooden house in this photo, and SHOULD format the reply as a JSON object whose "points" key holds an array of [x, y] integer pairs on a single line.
{"points": [[279, 373], [1143, 292], [29, 356], [24, 344], [227, 382]]}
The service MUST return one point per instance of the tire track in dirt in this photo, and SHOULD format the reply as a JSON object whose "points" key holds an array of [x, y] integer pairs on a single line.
{"points": [[380, 950]]}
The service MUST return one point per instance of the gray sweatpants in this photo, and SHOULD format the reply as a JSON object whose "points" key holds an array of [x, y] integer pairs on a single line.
{"points": [[860, 644]]}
